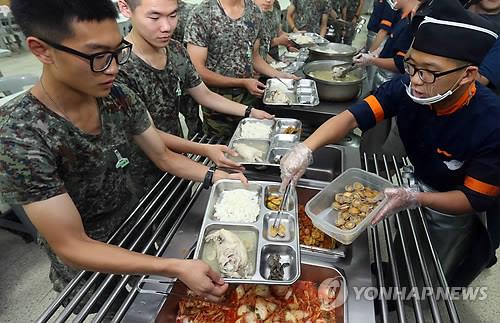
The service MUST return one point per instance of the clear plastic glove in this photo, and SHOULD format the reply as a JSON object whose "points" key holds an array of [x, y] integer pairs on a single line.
{"points": [[363, 59], [294, 164], [398, 199]]}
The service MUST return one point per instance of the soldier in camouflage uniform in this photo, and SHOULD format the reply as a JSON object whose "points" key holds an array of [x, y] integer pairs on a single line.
{"points": [[225, 51], [183, 11], [350, 11], [161, 86], [189, 107], [66, 145], [308, 15], [273, 34]]}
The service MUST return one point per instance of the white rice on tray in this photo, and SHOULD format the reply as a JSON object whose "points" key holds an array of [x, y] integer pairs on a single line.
{"points": [[238, 205], [255, 130]]}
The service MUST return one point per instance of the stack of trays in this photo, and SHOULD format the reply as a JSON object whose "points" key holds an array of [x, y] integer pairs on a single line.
{"points": [[260, 244], [284, 134], [291, 92], [307, 39]]}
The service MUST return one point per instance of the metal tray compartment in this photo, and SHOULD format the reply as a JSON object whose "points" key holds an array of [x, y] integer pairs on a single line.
{"points": [[272, 148], [292, 92], [287, 247], [287, 255], [287, 220], [310, 271], [241, 231], [323, 216], [270, 123]]}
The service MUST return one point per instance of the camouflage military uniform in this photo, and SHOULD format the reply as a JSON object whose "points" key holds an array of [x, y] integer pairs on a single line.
{"points": [[230, 45], [189, 107], [161, 91], [183, 11], [43, 155], [345, 33], [308, 14], [271, 26]]}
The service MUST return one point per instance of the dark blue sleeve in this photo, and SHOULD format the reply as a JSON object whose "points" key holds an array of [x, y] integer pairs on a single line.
{"points": [[401, 46], [389, 18], [490, 67], [482, 181], [383, 104]]}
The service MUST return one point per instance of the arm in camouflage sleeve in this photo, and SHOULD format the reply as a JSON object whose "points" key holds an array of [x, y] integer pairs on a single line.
{"points": [[324, 25], [59, 222], [157, 149], [263, 67], [218, 103], [290, 18]]}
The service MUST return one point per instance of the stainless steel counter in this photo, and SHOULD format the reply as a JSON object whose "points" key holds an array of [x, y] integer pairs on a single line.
{"points": [[356, 265]]}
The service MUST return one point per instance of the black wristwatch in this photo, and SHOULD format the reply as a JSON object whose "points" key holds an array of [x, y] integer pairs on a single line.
{"points": [[207, 182], [248, 110]]}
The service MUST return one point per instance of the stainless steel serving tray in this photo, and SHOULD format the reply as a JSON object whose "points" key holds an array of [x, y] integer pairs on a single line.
{"points": [[324, 275], [273, 147], [287, 247], [315, 38], [293, 92]]}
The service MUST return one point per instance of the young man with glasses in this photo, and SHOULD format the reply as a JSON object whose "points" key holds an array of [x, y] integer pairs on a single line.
{"points": [[160, 72], [450, 127], [65, 146]]}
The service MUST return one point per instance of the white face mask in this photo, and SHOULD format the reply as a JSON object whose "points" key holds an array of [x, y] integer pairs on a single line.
{"points": [[429, 100], [433, 99]]}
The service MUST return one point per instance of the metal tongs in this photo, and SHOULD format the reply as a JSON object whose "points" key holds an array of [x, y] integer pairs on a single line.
{"points": [[282, 207], [347, 70]]}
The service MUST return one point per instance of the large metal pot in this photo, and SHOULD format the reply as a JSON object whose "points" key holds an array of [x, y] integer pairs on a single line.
{"points": [[335, 90], [333, 51]]}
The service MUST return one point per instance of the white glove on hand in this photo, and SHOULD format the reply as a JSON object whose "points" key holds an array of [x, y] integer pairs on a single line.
{"points": [[363, 59], [398, 199], [294, 164]]}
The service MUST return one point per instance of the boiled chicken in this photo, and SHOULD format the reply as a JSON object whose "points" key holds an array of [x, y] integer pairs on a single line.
{"points": [[249, 153], [231, 254]]}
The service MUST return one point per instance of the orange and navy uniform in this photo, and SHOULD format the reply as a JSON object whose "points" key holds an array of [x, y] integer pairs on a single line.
{"points": [[382, 17], [398, 42], [455, 149]]}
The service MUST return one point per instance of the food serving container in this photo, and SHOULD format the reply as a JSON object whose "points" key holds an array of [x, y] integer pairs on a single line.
{"points": [[335, 90], [332, 51], [324, 216], [286, 247]]}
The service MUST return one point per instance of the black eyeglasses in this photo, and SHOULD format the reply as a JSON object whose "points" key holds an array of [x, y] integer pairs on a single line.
{"points": [[99, 61], [427, 76]]}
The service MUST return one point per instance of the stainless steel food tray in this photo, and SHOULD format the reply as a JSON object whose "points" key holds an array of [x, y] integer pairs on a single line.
{"points": [[273, 147], [291, 92], [287, 247], [316, 39]]}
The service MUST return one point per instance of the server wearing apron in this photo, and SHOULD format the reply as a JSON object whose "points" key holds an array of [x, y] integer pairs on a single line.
{"points": [[380, 25], [438, 106]]}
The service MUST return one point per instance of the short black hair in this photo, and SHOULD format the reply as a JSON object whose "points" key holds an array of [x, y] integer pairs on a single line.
{"points": [[134, 3], [51, 19]]}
